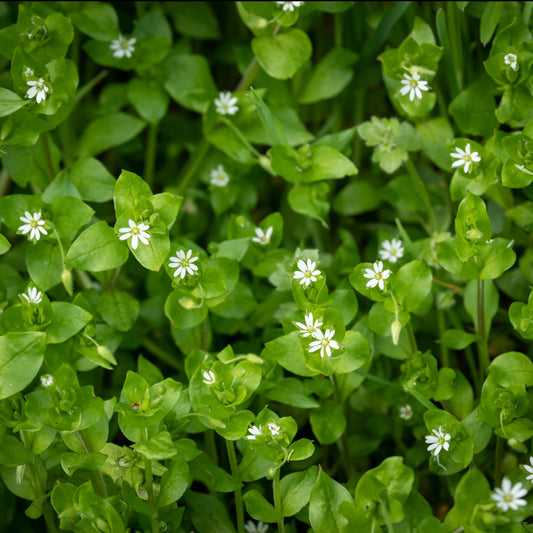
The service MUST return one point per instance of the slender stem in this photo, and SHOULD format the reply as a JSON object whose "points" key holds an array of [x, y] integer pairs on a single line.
{"points": [[192, 165], [162, 354], [412, 339], [498, 462], [374, 378], [97, 475], [386, 516], [48, 515], [453, 288], [358, 118], [444, 353], [483, 351], [150, 154], [84, 280], [277, 501], [210, 446], [249, 75], [61, 250], [47, 155], [241, 137], [455, 43], [344, 444], [419, 184], [114, 279], [89, 86], [4, 182], [239, 509], [149, 485]]}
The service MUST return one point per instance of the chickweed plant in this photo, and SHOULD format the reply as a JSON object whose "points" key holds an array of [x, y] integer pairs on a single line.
{"points": [[266, 266]]}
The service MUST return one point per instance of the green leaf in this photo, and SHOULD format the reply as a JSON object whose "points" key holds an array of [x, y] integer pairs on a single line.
{"points": [[217, 519], [12, 452], [44, 264], [92, 179], [174, 482], [68, 319], [148, 98], [118, 309], [296, 489], [157, 448], [97, 20], [97, 249], [258, 507], [412, 284], [21, 357], [195, 20], [310, 200], [328, 422], [109, 131], [184, 311], [330, 77], [69, 215], [489, 20], [283, 55], [358, 197], [270, 122], [5, 245], [433, 134], [167, 205], [130, 190], [325, 503], [457, 339], [288, 352], [512, 368], [70, 462], [10, 102]]}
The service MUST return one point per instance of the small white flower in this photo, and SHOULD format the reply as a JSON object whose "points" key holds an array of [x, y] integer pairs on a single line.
{"points": [[324, 342], [511, 60], [464, 157], [274, 428], [289, 6], [37, 89], [437, 441], [123, 47], [47, 380], [219, 177], [529, 469], [406, 412], [33, 225], [263, 237], [307, 272], [254, 432], [28, 72], [251, 527], [377, 275], [509, 496], [34, 296], [225, 104], [413, 85], [392, 250], [137, 232], [209, 377], [183, 264], [309, 327]]}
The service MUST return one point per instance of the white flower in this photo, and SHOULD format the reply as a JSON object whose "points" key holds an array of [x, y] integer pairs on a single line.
{"points": [[254, 432], [33, 225], [183, 263], [392, 250], [251, 527], [377, 275], [263, 237], [37, 89], [509, 496], [511, 60], [137, 232], [309, 327], [529, 469], [209, 377], [324, 342], [219, 177], [47, 380], [28, 72], [437, 441], [274, 428], [34, 296], [307, 272], [406, 412], [123, 47], [225, 104], [464, 157], [289, 6], [413, 85]]}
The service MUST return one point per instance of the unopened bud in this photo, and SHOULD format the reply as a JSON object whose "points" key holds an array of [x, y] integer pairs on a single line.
{"points": [[517, 445], [66, 278], [474, 234], [105, 352], [395, 329], [255, 359], [264, 161]]}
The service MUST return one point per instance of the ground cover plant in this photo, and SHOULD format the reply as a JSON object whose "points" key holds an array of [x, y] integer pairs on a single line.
{"points": [[266, 266]]}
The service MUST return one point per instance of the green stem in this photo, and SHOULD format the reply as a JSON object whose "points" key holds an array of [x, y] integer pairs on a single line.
{"points": [[483, 351], [239, 509], [192, 165], [498, 462], [455, 43], [150, 154], [162, 354], [277, 501], [61, 250], [358, 118], [49, 518], [97, 475], [4, 182], [344, 444], [249, 75], [89, 86], [114, 279], [412, 339], [386, 516], [47, 155], [149, 485], [84, 280], [242, 138], [370, 377], [210, 445], [444, 353], [419, 184]]}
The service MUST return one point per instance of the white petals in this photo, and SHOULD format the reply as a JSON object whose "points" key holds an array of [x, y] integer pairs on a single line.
{"points": [[309, 327], [274, 428], [184, 264], [406, 412], [413, 85], [289, 6], [37, 90], [511, 60], [263, 237], [307, 272], [252, 527], [219, 177], [137, 232], [225, 104], [464, 157], [392, 250], [254, 433], [123, 47], [509, 496], [438, 441], [209, 377], [32, 225], [324, 342], [34, 296], [47, 380], [377, 275]]}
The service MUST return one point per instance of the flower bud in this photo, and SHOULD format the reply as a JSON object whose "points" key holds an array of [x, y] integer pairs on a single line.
{"points": [[264, 161], [474, 234], [395, 329], [66, 278], [103, 351], [255, 359]]}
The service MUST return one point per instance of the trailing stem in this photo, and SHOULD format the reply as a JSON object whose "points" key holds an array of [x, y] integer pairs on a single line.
{"points": [[419, 184], [483, 351], [97, 475], [498, 462], [150, 154], [149, 484], [277, 501], [239, 510]]}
